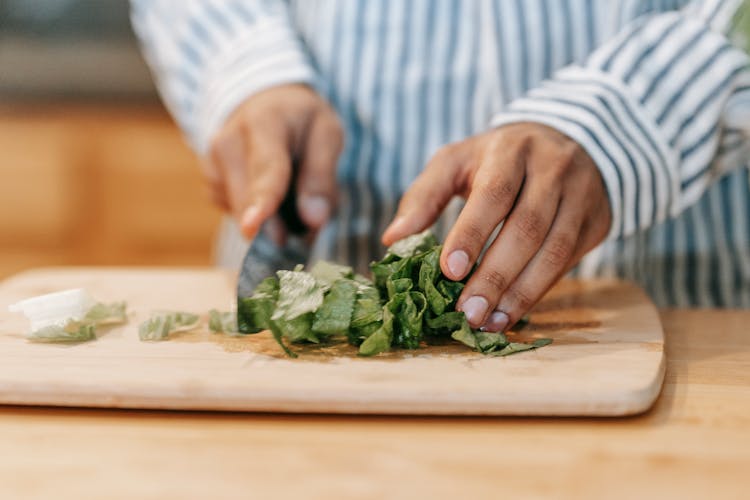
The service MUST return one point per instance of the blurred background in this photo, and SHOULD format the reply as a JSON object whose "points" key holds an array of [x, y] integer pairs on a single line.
{"points": [[92, 169]]}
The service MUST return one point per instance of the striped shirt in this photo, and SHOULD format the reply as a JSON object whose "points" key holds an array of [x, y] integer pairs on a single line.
{"points": [[656, 91]]}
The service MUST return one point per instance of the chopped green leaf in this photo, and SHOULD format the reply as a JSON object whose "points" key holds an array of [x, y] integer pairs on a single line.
{"points": [[451, 290], [438, 303], [408, 301], [516, 347], [68, 316], [107, 314], [222, 322], [429, 269], [366, 311], [488, 341], [380, 340], [408, 320], [400, 285], [72, 331], [297, 329], [254, 313], [541, 342], [358, 334], [327, 273], [161, 324], [465, 334], [335, 314], [446, 323], [299, 293], [412, 245]]}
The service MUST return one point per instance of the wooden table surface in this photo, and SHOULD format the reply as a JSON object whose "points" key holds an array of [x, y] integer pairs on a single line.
{"points": [[695, 443]]}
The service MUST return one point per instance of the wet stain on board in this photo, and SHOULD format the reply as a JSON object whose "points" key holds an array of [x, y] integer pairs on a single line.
{"points": [[263, 343]]}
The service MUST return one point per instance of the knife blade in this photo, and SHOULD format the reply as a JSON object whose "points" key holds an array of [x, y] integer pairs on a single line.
{"points": [[264, 256]]}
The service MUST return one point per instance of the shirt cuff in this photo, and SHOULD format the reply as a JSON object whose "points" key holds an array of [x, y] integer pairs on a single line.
{"points": [[265, 56], [598, 112]]}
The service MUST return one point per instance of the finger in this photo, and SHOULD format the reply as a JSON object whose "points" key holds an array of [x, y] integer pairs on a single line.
{"points": [[265, 187], [214, 178], [595, 228], [546, 267], [256, 165], [218, 197], [424, 201], [316, 184], [493, 193], [518, 241]]}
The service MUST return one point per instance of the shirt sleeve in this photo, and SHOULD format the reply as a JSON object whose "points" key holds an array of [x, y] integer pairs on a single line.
{"points": [[209, 56], [663, 109]]}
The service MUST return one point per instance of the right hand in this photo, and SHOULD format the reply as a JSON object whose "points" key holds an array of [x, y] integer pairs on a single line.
{"points": [[249, 166]]}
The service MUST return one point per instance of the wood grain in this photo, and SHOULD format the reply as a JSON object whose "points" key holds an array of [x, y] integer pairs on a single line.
{"points": [[694, 443], [607, 358]]}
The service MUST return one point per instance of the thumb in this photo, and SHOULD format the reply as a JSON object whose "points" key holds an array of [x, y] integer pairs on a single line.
{"points": [[428, 195], [316, 181]]}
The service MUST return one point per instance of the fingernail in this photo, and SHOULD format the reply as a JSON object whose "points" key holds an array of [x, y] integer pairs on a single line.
{"points": [[474, 308], [397, 223], [458, 263], [497, 322], [315, 209], [248, 217]]}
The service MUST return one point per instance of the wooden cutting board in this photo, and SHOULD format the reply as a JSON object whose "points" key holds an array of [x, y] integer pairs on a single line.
{"points": [[607, 357]]}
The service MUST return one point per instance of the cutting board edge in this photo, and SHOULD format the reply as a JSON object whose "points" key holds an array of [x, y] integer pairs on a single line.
{"points": [[630, 403]]}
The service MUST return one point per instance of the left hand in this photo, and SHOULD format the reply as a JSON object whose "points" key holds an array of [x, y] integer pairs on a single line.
{"points": [[545, 188]]}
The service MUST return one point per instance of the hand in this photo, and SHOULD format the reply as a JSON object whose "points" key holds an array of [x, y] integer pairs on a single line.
{"points": [[545, 188], [249, 166]]}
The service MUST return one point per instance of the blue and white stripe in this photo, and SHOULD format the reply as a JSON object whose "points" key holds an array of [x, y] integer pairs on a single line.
{"points": [[654, 90]]}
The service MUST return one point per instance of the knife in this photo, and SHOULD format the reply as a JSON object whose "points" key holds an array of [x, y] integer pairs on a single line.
{"points": [[265, 257]]}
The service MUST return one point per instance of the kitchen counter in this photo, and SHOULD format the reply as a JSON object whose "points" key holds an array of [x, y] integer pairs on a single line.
{"points": [[694, 443]]}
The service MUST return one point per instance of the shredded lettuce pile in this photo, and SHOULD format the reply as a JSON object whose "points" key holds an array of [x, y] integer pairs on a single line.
{"points": [[407, 303]]}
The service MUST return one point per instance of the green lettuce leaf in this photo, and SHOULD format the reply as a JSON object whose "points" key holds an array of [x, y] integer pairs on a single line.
{"points": [[113, 313], [334, 316], [408, 321], [327, 273], [161, 324], [254, 312], [516, 347], [380, 340], [98, 316], [222, 322], [299, 293], [72, 331], [412, 245]]}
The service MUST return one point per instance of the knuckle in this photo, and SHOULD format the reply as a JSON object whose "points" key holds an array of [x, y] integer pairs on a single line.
{"points": [[445, 155], [472, 233], [530, 225], [560, 159], [497, 191], [522, 299], [332, 125], [558, 251], [517, 134], [568, 153], [495, 280]]}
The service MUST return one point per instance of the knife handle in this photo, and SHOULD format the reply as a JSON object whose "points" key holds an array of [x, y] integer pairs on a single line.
{"points": [[288, 210]]}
